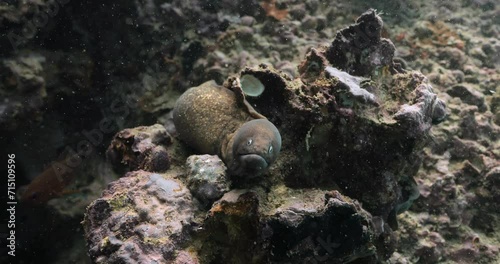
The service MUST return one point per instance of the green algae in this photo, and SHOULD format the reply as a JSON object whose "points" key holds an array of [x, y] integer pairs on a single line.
{"points": [[120, 202]]}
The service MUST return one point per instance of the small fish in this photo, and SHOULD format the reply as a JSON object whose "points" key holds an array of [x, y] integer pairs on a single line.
{"points": [[272, 10], [49, 184]]}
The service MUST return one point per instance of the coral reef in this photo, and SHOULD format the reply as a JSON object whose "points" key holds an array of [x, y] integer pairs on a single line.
{"points": [[286, 215], [319, 225], [345, 125], [345, 118]]}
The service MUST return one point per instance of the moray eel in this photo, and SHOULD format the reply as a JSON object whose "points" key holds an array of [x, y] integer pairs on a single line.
{"points": [[214, 119]]}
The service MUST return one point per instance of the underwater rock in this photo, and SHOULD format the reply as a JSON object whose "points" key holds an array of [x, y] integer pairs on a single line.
{"points": [[425, 109], [453, 58], [332, 229], [33, 84], [434, 196], [309, 23], [313, 65], [231, 230], [141, 218], [476, 126], [353, 84], [216, 120], [429, 250], [361, 126], [432, 238], [23, 90], [186, 257], [207, 179], [456, 194], [297, 227], [359, 49], [486, 218], [468, 95], [140, 148], [396, 113]]}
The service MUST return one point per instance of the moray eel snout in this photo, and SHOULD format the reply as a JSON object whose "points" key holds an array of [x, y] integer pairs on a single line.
{"points": [[249, 165], [256, 145]]}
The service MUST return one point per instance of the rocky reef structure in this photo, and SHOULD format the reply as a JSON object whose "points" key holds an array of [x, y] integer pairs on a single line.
{"points": [[349, 123], [353, 130], [70, 63], [30, 84], [157, 219], [453, 220]]}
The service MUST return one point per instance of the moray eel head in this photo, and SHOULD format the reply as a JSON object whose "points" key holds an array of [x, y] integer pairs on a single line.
{"points": [[256, 145]]}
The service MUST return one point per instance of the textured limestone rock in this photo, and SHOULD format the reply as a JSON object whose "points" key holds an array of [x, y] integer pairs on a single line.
{"points": [[332, 229], [207, 178], [141, 218], [298, 227], [360, 127], [359, 49], [468, 95], [368, 133], [141, 148], [231, 231]]}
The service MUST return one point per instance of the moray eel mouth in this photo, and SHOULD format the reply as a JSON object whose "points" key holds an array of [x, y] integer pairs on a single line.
{"points": [[250, 165], [256, 145]]}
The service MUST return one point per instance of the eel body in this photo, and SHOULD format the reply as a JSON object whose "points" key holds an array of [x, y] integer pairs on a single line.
{"points": [[213, 119]]}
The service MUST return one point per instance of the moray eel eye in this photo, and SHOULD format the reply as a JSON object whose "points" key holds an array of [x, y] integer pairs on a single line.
{"points": [[249, 142]]}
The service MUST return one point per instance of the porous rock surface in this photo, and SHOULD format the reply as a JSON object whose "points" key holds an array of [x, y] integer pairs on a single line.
{"points": [[141, 218], [140, 148], [207, 178]]}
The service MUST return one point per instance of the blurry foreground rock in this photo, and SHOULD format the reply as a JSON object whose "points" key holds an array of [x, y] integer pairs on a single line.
{"points": [[353, 131], [140, 148]]}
